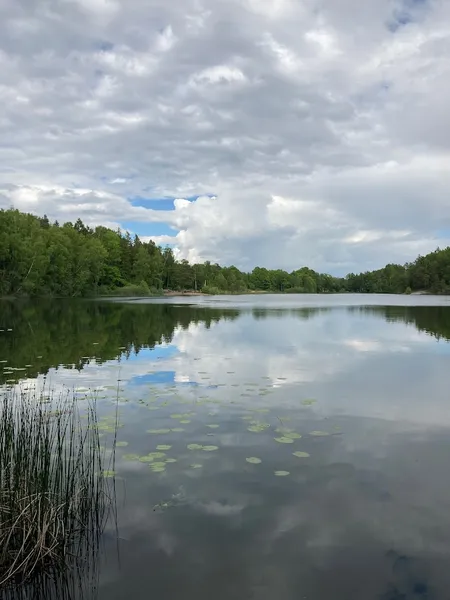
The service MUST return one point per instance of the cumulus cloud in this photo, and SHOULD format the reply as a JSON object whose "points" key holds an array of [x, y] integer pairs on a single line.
{"points": [[320, 127]]}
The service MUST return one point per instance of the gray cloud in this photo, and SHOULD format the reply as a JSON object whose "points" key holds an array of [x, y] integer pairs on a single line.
{"points": [[321, 126]]}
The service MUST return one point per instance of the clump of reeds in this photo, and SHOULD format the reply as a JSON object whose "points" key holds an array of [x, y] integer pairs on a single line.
{"points": [[53, 497]]}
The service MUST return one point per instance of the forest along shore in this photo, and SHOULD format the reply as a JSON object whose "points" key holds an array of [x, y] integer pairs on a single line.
{"points": [[40, 258]]}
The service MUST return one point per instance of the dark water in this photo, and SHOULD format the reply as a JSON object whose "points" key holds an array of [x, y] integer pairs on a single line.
{"points": [[365, 516]]}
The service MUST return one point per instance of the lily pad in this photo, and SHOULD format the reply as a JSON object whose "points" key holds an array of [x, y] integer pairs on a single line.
{"points": [[158, 468], [319, 433], [146, 459], [301, 454], [170, 460], [194, 447], [293, 435], [253, 460], [121, 444], [212, 426], [131, 457], [210, 448], [308, 402], [196, 466], [281, 473], [185, 421], [158, 431], [257, 427], [163, 447], [157, 454], [108, 474], [284, 440], [177, 430]]}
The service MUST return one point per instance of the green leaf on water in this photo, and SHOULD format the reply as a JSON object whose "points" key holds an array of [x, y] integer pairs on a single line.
{"points": [[131, 457], [281, 473], [212, 426], [157, 454], [301, 454], [177, 416], [146, 459], [257, 427], [194, 446], [158, 467], [177, 430], [293, 435], [108, 474], [121, 444], [284, 440], [196, 466], [210, 448], [163, 447], [171, 460], [158, 431], [319, 433], [253, 460], [184, 421], [247, 418]]}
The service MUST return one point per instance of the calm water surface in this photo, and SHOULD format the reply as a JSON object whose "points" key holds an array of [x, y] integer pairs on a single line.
{"points": [[360, 392]]}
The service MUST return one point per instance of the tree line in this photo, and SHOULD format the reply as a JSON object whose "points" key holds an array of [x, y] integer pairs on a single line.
{"points": [[40, 258]]}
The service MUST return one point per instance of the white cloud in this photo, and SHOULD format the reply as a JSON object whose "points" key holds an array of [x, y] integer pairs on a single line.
{"points": [[321, 130]]}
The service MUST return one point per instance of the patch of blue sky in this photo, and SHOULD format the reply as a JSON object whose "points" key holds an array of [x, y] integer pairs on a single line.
{"points": [[143, 228], [443, 233], [194, 198], [165, 203], [159, 378], [153, 203]]}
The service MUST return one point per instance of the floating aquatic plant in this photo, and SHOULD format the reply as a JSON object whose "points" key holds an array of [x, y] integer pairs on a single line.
{"points": [[253, 460], [194, 446], [301, 454]]}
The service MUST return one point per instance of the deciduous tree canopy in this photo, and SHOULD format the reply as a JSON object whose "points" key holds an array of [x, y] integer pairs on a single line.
{"points": [[38, 258]]}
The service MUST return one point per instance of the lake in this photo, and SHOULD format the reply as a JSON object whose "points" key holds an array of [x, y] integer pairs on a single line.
{"points": [[308, 439]]}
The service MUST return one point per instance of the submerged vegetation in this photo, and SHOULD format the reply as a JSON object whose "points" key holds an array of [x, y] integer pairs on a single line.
{"points": [[39, 258], [53, 495]]}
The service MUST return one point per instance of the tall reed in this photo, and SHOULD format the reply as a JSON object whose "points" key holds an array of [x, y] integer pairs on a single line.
{"points": [[53, 496]]}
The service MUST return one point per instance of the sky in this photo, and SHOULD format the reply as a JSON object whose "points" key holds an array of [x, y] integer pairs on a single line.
{"points": [[278, 133]]}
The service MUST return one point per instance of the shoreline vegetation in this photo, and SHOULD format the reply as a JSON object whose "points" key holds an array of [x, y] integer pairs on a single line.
{"points": [[43, 259], [54, 495]]}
